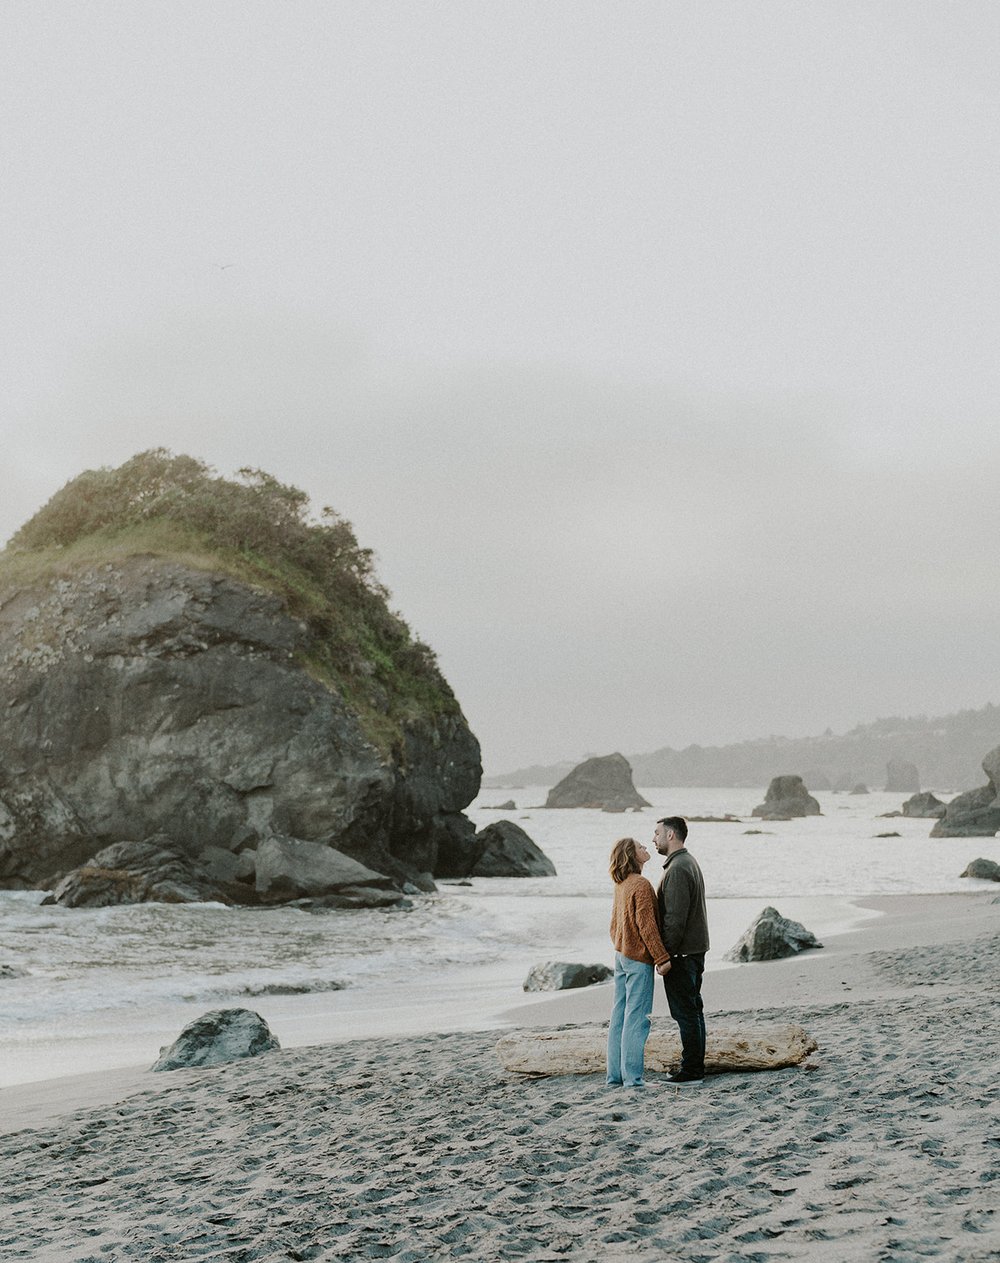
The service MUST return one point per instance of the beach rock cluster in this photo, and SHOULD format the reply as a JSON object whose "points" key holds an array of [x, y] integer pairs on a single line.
{"points": [[771, 937], [218, 1037], [603, 782], [280, 870], [975, 814], [786, 799], [557, 975], [146, 698]]}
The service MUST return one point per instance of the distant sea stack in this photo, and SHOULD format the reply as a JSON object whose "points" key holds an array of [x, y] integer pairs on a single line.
{"points": [[901, 777], [191, 657], [975, 814], [602, 782], [786, 799]]}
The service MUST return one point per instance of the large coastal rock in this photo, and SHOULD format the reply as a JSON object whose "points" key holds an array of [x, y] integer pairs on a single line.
{"points": [[603, 782], [787, 798], [902, 777], [583, 1049], [153, 871], [771, 937], [507, 851], [217, 1037], [924, 806], [147, 697], [975, 814]]}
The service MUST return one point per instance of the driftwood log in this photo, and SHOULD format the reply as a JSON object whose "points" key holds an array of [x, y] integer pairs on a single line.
{"points": [[583, 1049]]}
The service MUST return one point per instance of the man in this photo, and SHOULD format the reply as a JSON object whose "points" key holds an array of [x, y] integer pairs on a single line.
{"points": [[684, 930]]}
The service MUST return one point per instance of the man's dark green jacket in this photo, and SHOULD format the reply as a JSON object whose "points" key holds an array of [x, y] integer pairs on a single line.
{"points": [[681, 902]]}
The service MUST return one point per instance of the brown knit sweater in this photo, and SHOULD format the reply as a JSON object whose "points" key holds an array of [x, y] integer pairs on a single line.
{"points": [[634, 931]]}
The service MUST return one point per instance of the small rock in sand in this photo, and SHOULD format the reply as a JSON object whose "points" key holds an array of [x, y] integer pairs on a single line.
{"points": [[771, 937], [217, 1037], [557, 975]]}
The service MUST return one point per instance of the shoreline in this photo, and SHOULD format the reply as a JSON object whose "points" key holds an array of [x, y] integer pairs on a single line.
{"points": [[885, 1145], [835, 973]]}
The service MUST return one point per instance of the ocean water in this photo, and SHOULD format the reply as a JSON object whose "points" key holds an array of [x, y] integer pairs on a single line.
{"points": [[107, 987]]}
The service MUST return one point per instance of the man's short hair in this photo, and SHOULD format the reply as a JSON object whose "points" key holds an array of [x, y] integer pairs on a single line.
{"points": [[677, 823]]}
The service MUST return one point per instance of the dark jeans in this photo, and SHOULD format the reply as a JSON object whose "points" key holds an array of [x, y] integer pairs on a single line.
{"points": [[683, 987]]}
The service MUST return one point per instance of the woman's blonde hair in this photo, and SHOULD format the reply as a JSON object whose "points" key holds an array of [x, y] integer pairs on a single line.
{"points": [[623, 860]]}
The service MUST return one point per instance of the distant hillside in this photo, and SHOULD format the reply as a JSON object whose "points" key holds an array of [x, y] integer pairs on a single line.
{"points": [[947, 750]]}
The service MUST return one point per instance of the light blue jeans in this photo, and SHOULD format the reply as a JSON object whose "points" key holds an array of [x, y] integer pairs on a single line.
{"points": [[629, 1026]]}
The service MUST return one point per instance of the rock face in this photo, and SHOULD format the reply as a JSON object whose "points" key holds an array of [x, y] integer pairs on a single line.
{"points": [[583, 1050], [138, 872], [217, 1037], [786, 798], [901, 777], [924, 806], [986, 870], [860, 788], [772, 937], [975, 814], [556, 975], [288, 868], [605, 781], [148, 698], [507, 851]]}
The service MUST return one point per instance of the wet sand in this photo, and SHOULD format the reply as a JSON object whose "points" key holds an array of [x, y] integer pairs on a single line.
{"points": [[888, 1148]]}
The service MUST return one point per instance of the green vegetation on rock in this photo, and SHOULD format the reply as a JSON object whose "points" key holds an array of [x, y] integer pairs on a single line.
{"points": [[256, 530]]}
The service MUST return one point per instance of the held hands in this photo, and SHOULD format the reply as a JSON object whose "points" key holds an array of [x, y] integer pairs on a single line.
{"points": [[664, 968]]}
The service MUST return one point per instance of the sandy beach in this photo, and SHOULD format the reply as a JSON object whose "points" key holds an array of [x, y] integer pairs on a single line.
{"points": [[886, 1146]]}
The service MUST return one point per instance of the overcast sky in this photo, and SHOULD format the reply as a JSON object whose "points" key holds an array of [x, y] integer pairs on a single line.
{"points": [[652, 346]]}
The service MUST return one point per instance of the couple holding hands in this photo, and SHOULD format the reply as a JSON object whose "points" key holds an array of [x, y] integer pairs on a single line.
{"points": [[664, 930]]}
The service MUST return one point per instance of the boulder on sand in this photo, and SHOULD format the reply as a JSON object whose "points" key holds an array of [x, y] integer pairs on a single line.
{"points": [[557, 975], [604, 781], [787, 798], [217, 1037], [975, 814], [986, 870], [901, 777], [583, 1049], [924, 806], [771, 937], [507, 851]]}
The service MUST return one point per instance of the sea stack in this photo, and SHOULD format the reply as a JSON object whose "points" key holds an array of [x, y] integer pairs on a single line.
{"points": [[189, 658], [787, 798], [603, 782]]}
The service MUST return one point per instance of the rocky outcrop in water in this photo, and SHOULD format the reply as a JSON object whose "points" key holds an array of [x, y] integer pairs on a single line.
{"points": [[786, 799], [147, 697], [217, 1037], [602, 782], [925, 806], [975, 814], [153, 871], [507, 851], [772, 937]]}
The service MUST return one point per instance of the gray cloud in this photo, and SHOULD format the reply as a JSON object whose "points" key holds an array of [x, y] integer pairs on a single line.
{"points": [[653, 350]]}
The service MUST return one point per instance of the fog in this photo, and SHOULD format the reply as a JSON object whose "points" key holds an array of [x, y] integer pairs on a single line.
{"points": [[653, 347]]}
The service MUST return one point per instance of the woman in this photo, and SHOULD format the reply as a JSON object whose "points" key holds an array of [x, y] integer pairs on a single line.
{"points": [[638, 948]]}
